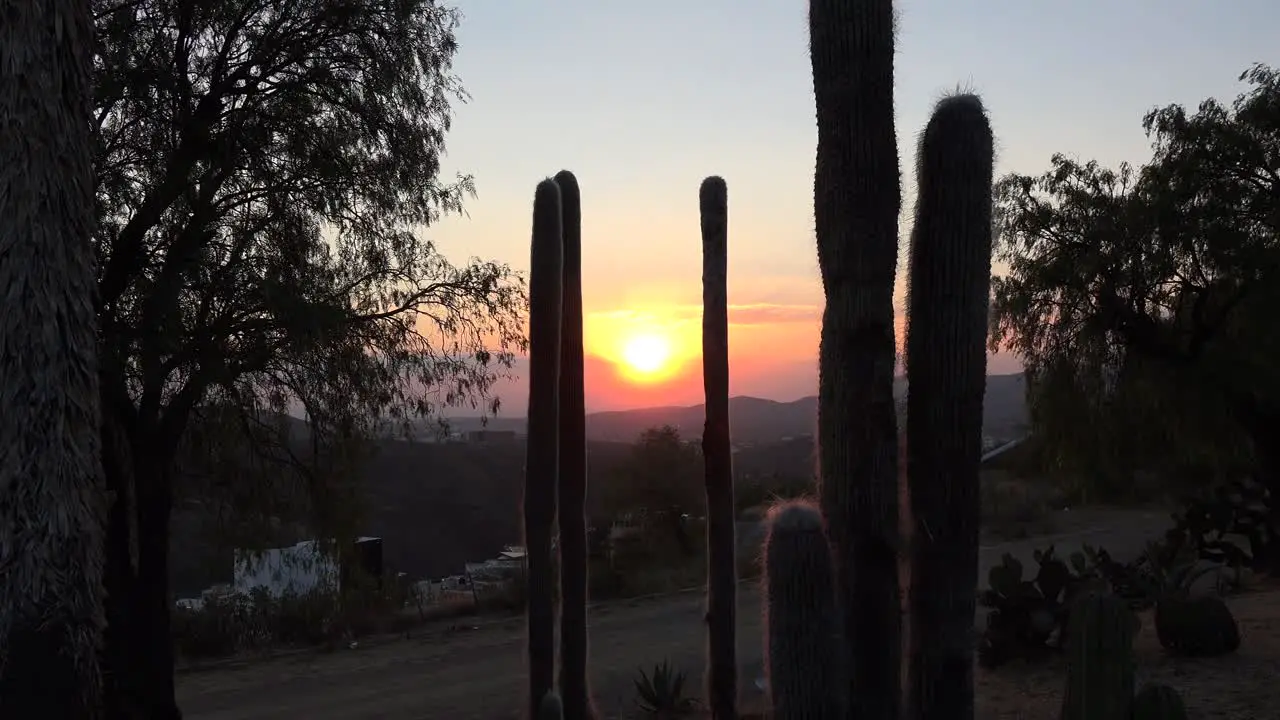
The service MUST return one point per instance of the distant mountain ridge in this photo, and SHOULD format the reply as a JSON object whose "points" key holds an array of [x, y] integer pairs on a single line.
{"points": [[755, 420]]}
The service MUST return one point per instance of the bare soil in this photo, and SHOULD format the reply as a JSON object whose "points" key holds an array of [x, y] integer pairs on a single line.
{"points": [[475, 669]]}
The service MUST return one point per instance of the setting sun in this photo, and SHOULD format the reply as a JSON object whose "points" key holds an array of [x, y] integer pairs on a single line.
{"points": [[646, 354], [646, 348]]}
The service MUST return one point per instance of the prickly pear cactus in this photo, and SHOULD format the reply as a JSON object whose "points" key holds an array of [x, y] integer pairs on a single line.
{"points": [[1158, 702], [1100, 659], [802, 620]]}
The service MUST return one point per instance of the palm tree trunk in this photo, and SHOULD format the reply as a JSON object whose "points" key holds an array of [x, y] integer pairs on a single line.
{"points": [[51, 495]]}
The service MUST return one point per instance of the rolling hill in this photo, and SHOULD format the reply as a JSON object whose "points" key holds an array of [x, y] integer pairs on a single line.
{"points": [[755, 420]]}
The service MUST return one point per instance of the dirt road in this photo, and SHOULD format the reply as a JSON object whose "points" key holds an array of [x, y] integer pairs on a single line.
{"points": [[466, 674]]}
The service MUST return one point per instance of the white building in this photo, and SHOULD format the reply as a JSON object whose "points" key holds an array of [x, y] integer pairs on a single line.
{"points": [[298, 569]]}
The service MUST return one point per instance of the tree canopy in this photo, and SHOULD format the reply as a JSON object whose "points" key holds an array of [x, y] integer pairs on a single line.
{"points": [[1138, 297], [266, 174], [265, 169]]}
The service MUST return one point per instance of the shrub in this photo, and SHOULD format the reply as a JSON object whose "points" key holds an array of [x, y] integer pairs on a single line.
{"points": [[301, 619], [224, 626], [1168, 566], [1234, 524], [219, 628]]}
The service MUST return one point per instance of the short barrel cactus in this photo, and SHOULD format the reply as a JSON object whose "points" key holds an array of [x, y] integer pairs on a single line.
{"points": [[1158, 702], [1197, 626], [802, 618], [550, 708]]}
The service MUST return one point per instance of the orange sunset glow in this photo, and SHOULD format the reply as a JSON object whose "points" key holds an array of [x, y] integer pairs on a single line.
{"points": [[645, 348], [652, 355]]}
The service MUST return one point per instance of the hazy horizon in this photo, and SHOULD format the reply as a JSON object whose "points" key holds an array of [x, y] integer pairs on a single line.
{"points": [[515, 400], [643, 101]]}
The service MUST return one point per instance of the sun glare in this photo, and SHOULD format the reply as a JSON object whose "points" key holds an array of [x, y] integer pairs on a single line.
{"points": [[646, 355]]}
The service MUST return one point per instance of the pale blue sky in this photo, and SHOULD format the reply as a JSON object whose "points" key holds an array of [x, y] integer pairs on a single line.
{"points": [[643, 100]]}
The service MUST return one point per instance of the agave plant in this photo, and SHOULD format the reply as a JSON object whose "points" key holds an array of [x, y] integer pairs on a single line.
{"points": [[661, 694]]}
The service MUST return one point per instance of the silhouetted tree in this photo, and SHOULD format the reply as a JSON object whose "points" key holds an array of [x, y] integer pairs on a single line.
{"points": [[1139, 300], [663, 479], [264, 172], [50, 475]]}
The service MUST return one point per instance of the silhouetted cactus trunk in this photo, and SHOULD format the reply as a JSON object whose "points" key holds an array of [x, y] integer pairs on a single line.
{"points": [[572, 499], [946, 366], [52, 510], [722, 576], [802, 621], [541, 459], [857, 198], [1100, 666]]}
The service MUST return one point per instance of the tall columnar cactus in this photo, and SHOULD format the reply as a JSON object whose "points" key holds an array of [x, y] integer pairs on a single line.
{"points": [[722, 671], [1100, 662], [802, 619], [857, 198], [573, 464], [541, 460], [946, 364]]}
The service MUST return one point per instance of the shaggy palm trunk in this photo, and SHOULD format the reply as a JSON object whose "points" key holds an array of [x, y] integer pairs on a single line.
{"points": [[51, 495], [541, 463], [857, 198], [946, 366], [722, 576], [574, 689]]}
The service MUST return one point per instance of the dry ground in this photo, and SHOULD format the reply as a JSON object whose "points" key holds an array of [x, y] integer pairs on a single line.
{"points": [[1241, 686], [475, 671]]}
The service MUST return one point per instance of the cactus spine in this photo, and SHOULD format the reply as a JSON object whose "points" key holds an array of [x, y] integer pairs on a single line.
{"points": [[541, 459], [802, 620], [1100, 662], [857, 198], [1158, 702], [722, 670], [572, 495], [946, 363]]}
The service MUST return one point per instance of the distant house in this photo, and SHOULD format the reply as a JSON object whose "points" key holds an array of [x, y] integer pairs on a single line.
{"points": [[301, 568]]}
